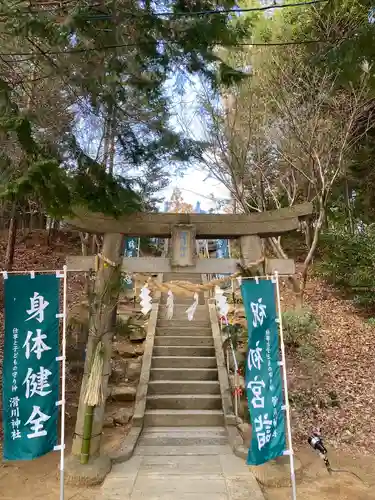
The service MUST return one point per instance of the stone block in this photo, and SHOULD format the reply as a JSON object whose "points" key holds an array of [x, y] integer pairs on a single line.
{"points": [[123, 392]]}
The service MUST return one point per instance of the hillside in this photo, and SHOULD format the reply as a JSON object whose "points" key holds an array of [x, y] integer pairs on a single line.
{"points": [[335, 391], [331, 384]]}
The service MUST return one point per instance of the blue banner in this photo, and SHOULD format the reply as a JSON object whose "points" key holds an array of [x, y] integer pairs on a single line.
{"points": [[222, 249], [30, 367], [130, 249], [222, 252], [263, 377]]}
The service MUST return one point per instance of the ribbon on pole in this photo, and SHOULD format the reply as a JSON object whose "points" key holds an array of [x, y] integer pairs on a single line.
{"points": [[146, 300], [190, 311], [170, 305], [221, 303], [30, 367], [263, 378]]}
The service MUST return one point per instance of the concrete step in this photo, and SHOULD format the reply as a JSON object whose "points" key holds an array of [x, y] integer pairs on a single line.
{"points": [[185, 304], [201, 308], [183, 299], [183, 436], [183, 387], [204, 450], [184, 402], [181, 315], [187, 418], [176, 324], [183, 330], [183, 362], [184, 374], [179, 340], [183, 350]]}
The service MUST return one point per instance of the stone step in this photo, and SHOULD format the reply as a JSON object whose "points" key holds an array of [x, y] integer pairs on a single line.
{"points": [[184, 402], [184, 374], [180, 340], [180, 314], [183, 436], [183, 362], [183, 387], [183, 350], [180, 418], [183, 301], [205, 450], [201, 308], [176, 324], [183, 330]]}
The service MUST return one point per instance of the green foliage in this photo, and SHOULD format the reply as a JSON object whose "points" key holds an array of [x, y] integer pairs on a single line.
{"points": [[236, 332], [349, 57], [299, 327], [112, 63], [347, 262], [123, 327], [40, 172]]}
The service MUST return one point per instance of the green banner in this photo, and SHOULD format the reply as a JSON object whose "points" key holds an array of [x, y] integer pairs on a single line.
{"points": [[263, 377], [30, 369]]}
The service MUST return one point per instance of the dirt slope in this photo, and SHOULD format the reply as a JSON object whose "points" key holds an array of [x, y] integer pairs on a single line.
{"points": [[337, 390]]}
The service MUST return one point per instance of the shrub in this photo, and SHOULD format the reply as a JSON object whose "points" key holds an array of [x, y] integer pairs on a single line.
{"points": [[347, 262], [299, 327]]}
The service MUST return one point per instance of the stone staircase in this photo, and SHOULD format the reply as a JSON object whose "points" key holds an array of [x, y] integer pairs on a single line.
{"points": [[184, 406]]}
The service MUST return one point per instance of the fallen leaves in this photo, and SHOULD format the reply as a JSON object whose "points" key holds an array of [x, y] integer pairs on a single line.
{"points": [[345, 368]]}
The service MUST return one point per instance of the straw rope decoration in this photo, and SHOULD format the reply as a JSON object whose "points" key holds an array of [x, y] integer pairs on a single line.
{"points": [[187, 288], [94, 390], [183, 287]]}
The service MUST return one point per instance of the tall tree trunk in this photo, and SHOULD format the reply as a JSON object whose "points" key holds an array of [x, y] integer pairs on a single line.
{"points": [[85, 245], [111, 144], [12, 234], [101, 329], [312, 249], [348, 202], [279, 252], [53, 230]]}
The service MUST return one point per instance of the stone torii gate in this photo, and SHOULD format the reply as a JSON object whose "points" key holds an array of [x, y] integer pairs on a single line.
{"points": [[183, 229]]}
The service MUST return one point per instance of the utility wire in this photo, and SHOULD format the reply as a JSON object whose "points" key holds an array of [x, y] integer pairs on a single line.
{"points": [[198, 13], [232, 11], [116, 46]]}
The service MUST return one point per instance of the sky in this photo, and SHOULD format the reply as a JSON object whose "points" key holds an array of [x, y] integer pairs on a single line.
{"points": [[195, 185]]}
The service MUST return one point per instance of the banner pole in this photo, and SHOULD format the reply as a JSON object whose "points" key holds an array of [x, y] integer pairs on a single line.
{"points": [[63, 385], [286, 395]]}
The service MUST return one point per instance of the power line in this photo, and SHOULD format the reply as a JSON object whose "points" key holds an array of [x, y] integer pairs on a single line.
{"points": [[192, 13], [123, 45], [235, 11]]}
